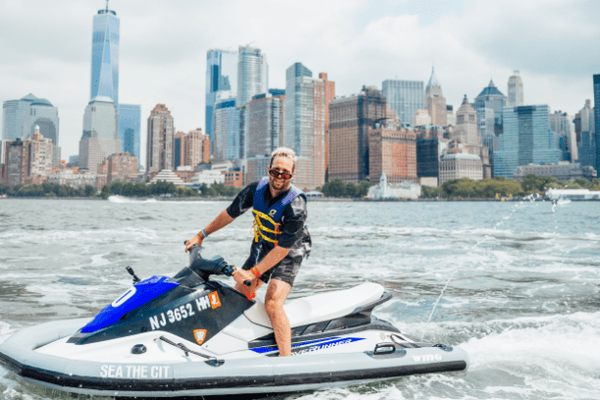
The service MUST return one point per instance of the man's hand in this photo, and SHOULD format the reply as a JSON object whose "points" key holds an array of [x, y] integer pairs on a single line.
{"points": [[241, 276], [195, 240]]}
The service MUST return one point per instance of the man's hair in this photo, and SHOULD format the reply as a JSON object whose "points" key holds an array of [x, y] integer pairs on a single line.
{"points": [[284, 152]]}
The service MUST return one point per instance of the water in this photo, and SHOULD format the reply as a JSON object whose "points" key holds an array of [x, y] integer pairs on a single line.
{"points": [[515, 284]]}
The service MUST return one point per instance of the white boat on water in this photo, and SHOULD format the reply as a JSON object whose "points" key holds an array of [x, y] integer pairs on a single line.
{"points": [[572, 194]]}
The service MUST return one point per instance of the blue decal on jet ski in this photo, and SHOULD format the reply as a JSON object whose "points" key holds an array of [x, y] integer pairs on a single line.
{"points": [[139, 294], [314, 345]]}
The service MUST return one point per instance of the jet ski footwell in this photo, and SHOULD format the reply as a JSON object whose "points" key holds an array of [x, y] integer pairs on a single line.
{"points": [[194, 377]]}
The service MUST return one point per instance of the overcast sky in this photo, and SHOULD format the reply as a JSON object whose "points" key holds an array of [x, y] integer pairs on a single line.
{"points": [[45, 49]]}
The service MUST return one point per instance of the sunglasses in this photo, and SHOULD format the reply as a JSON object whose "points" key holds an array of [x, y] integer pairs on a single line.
{"points": [[276, 174]]}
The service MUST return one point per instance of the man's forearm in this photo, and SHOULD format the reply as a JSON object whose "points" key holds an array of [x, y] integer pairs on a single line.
{"points": [[271, 259], [222, 220]]}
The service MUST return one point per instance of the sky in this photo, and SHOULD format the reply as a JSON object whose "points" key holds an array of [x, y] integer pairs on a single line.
{"points": [[45, 49]]}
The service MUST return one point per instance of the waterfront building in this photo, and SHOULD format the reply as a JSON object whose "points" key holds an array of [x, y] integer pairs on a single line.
{"points": [[489, 105], [393, 152], [13, 115], [227, 130], [563, 171], [431, 145], [196, 148], [130, 117], [167, 175], [208, 177], [466, 136], [402, 190], [405, 98], [349, 120], [233, 179], [221, 76], [78, 180], [178, 149], [585, 131], [159, 143], [100, 133], [562, 124], [121, 167], [597, 118], [252, 74], [304, 125], [526, 138], [435, 102], [27, 162], [105, 56], [20, 118], [265, 123], [329, 87], [516, 97], [460, 165]]}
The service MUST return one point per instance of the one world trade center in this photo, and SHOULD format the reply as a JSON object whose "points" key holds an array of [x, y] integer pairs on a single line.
{"points": [[105, 56]]}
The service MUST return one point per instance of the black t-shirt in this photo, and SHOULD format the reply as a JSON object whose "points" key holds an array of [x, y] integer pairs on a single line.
{"points": [[292, 220]]}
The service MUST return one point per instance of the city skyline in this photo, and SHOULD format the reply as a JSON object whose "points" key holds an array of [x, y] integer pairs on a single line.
{"points": [[355, 43]]}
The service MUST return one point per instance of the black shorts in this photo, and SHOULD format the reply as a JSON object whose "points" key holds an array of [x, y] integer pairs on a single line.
{"points": [[286, 270]]}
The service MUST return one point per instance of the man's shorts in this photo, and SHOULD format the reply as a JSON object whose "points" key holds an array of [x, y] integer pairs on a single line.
{"points": [[286, 270]]}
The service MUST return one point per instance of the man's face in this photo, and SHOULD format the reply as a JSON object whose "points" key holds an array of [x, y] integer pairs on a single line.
{"points": [[281, 165]]}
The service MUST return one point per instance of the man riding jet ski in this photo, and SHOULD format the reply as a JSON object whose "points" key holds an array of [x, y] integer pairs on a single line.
{"points": [[281, 239], [192, 336]]}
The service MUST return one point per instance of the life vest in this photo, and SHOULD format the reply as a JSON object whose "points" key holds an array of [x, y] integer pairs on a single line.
{"points": [[266, 219]]}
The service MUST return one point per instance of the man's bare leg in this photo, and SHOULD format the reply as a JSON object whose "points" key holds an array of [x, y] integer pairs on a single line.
{"points": [[277, 292]]}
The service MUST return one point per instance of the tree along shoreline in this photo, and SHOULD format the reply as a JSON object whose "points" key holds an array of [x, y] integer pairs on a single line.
{"points": [[455, 190]]}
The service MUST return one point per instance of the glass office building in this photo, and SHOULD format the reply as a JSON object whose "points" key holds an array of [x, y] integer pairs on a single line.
{"points": [[252, 74], [130, 116], [489, 105], [404, 97], [20, 118], [597, 118], [105, 56], [527, 138], [227, 130], [221, 75]]}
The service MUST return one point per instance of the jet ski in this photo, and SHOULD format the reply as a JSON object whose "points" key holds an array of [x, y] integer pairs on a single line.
{"points": [[189, 335]]}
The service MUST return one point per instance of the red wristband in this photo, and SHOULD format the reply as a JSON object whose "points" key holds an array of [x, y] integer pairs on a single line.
{"points": [[255, 272]]}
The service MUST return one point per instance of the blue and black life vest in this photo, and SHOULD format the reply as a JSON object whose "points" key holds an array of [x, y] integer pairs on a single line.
{"points": [[266, 219]]}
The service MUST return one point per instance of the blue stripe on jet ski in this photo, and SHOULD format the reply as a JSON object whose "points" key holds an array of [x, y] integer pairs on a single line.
{"points": [[320, 344]]}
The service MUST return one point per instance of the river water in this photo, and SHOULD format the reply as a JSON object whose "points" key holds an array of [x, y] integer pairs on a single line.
{"points": [[516, 284]]}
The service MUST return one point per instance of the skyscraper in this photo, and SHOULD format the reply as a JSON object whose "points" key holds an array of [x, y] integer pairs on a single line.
{"points": [[228, 130], [105, 56], [488, 106], [100, 133], [20, 118], [562, 124], [515, 91], [304, 125], [435, 101], [159, 145], [587, 139], [404, 97], [252, 74], [526, 138], [467, 134], [597, 118], [350, 117], [221, 75], [130, 116]]}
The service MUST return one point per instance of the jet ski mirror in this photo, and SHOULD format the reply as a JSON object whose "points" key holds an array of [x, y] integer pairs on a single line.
{"points": [[135, 277]]}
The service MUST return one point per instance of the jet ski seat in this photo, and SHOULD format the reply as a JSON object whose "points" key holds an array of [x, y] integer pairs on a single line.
{"points": [[320, 307]]}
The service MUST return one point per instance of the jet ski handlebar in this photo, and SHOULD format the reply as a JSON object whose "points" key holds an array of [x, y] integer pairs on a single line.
{"points": [[206, 267]]}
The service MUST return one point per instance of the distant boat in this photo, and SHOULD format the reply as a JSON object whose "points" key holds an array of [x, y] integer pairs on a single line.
{"points": [[572, 194]]}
